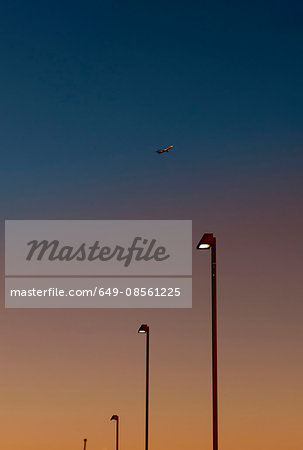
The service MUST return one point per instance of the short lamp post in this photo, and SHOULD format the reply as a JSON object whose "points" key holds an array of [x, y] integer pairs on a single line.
{"points": [[116, 418]]}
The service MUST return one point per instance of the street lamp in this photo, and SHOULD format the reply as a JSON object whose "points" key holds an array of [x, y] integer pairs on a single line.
{"points": [[85, 440], [116, 418], [209, 241], [145, 329]]}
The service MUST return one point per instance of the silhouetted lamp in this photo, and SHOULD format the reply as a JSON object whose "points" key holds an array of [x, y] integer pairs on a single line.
{"points": [[143, 329]]}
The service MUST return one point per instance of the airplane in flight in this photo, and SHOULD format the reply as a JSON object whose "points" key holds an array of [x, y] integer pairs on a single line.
{"points": [[165, 150]]}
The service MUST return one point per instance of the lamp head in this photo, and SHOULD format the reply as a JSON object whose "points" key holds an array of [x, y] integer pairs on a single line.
{"points": [[206, 241], [143, 329], [114, 417]]}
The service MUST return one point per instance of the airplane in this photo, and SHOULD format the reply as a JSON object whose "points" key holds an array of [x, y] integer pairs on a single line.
{"points": [[165, 150]]}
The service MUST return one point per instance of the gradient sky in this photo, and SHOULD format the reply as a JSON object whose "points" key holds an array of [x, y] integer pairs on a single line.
{"points": [[88, 91]]}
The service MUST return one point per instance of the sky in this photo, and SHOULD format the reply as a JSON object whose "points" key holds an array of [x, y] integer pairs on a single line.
{"points": [[89, 91]]}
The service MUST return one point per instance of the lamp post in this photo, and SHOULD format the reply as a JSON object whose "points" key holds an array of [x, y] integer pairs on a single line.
{"points": [[145, 329], [85, 440], [116, 418], [209, 241]]}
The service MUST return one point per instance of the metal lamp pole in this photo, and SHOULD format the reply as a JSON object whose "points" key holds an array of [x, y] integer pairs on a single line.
{"points": [[116, 418], [145, 329], [209, 241]]}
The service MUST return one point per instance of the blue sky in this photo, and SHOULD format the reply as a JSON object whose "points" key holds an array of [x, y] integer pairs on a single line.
{"points": [[90, 90]]}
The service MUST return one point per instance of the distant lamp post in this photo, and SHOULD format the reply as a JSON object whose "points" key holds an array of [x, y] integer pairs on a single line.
{"points": [[85, 440], [116, 418], [209, 241], [144, 329]]}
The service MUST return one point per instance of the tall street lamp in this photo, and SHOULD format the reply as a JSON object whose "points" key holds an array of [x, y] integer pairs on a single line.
{"points": [[85, 440], [209, 241], [145, 329], [116, 418]]}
